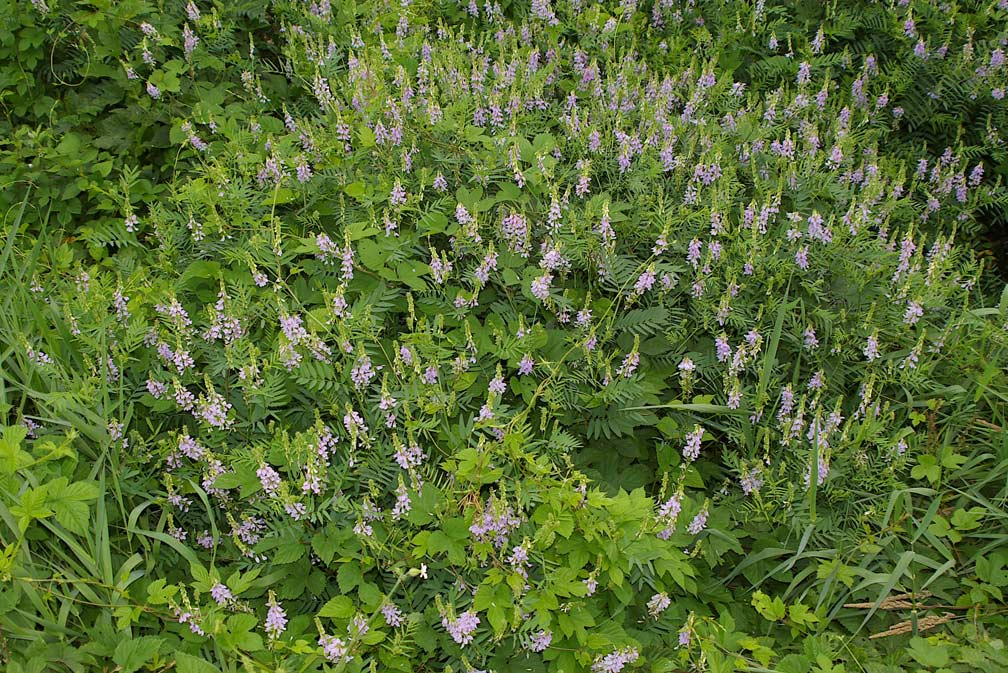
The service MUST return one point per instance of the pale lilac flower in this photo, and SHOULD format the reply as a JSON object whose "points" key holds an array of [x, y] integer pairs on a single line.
{"points": [[803, 72], [691, 450], [645, 282], [190, 41], [734, 399], [871, 348], [304, 171], [811, 342], [347, 262], [295, 510], [698, 523], [616, 661], [693, 255], [526, 364], [658, 604], [541, 640], [801, 258], [402, 504], [751, 482], [276, 619], [185, 617], [213, 409], [334, 649], [398, 195], [220, 593], [190, 448], [723, 349], [461, 628], [393, 615], [497, 385], [363, 372], [629, 364], [37, 356], [410, 456], [358, 626], [541, 287], [519, 559], [495, 526], [269, 478], [914, 311]]}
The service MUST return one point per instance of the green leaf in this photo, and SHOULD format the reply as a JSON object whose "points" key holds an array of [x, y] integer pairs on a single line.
{"points": [[372, 254], [969, 519], [497, 618], [801, 615], [324, 545], [158, 593], [186, 663], [31, 506], [70, 503], [355, 190], [241, 634], [338, 607], [928, 654], [348, 576], [370, 595], [12, 458], [432, 223], [131, 654], [409, 272], [771, 609], [927, 466]]}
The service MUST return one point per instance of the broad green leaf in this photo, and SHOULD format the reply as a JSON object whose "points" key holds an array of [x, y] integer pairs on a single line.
{"points": [[338, 607], [131, 654]]}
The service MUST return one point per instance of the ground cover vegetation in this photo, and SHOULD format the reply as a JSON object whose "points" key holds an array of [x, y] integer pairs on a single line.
{"points": [[563, 336]]}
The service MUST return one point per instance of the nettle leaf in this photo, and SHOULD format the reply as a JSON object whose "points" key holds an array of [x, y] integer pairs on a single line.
{"points": [[12, 457], [324, 544], [370, 595], [930, 654], [349, 576], [31, 506], [70, 503], [187, 663], [286, 548], [338, 607], [771, 609], [133, 653]]}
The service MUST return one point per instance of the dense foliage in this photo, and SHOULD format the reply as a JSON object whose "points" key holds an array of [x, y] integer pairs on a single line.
{"points": [[565, 337]]}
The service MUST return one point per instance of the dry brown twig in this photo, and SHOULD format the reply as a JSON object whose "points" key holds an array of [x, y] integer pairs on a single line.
{"points": [[923, 624]]}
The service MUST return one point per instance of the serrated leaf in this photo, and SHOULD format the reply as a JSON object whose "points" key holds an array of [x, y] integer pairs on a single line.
{"points": [[186, 663], [131, 654], [338, 607]]}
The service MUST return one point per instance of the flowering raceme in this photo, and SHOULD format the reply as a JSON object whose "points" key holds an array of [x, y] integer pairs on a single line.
{"points": [[471, 313], [461, 628]]}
